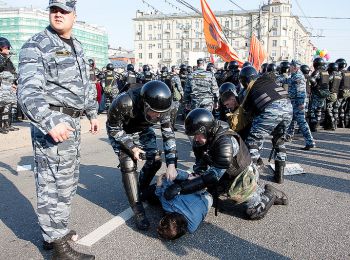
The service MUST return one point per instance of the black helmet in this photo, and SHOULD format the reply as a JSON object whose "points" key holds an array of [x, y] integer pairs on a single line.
{"points": [[183, 67], [164, 69], [110, 66], [157, 96], [210, 66], [348, 69], [101, 76], [333, 66], [199, 121], [130, 67], [189, 69], [200, 62], [272, 67], [341, 63], [284, 67], [246, 64], [305, 69], [246, 75], [226, 90], [318, 63], [233, 65], [4, 42], [146, 68], [226, 65], [263, 68]]}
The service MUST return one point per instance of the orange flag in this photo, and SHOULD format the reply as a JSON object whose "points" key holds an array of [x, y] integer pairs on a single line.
{"points": [[215, 38], [257, 53]]}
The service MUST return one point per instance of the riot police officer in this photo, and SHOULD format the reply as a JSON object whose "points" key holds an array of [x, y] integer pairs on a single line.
{"points": [[233, 73], [224, 166], [344, 94], [130, 122], [201, 89], [8, 99], [319, 80], [110, 85], [129, 78], [263, 68], [269, 109], [305, 69], [332, 104]]}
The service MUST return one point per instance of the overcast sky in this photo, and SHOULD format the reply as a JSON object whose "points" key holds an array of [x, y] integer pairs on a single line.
{"points": [[116, 16]]}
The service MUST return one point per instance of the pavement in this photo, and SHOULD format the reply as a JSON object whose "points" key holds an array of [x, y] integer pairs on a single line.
{"points": [[315, 225]]}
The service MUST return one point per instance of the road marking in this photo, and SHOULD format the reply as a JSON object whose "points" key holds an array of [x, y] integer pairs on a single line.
{"points": [[107, 228], [26, 167]]}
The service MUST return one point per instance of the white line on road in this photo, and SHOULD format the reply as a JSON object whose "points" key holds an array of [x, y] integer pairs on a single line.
{"points": [[107, 228], [26, 167]]}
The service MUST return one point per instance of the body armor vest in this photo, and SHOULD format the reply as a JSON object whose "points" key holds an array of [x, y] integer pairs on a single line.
{"points": [[346, 80], [263, 92], [334, 87], [220, 153]]}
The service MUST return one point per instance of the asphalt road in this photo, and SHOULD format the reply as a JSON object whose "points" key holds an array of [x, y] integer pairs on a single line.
{"points": [[316, 224]]}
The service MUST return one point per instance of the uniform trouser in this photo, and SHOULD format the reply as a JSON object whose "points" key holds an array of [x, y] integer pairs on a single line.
{"points": [[341, 111], [277, 115], [317, 103], [173, 115], [347, 113], [331, 115], [209, 105], [299, 117], [2, 108], [146, 140], [56, 169]]}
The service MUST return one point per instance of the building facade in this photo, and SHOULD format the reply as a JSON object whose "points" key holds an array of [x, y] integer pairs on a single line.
{"points": [[178, 38], [19, 24]]}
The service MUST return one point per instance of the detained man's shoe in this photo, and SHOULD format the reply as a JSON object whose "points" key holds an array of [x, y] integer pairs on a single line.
{"points": [[309, 147], [281, 197]]}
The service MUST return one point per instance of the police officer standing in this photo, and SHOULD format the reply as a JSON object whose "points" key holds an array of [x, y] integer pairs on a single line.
{"points": [[130, 130], [319, 80], [305, 69], [201, 89], [110, 87], [129, 78], [8, 99], [332, 104], [297, 94], [54, 91], [344, 93]]}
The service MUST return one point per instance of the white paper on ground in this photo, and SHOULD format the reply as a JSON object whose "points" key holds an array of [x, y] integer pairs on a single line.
{"points": [[290, 169], [26, 167]]}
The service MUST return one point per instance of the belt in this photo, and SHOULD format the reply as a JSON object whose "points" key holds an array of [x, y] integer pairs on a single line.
{"points": [[75, 113]]}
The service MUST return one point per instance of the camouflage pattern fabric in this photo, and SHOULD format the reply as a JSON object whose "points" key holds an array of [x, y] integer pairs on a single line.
{"points": [[297, 94], [201, 90], [51, 74], [278, 114], [244, 186]]}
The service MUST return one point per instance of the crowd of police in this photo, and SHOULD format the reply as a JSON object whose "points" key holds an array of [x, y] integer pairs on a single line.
{"points": [[228, 114]]}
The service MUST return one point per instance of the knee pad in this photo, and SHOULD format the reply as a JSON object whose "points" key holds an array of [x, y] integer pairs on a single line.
{"points": [[153, 164], [127, 164]]}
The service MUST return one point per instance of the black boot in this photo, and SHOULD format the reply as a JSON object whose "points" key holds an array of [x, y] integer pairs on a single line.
{"points": [[279, 171], [281, 197], [260, 210], [62, 250], [49, 246], [131, 187]]}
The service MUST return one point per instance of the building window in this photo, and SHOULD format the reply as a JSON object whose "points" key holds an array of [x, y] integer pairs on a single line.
{"points": [[150, 37], [227, 24], [140, 46], [178, 45], [140, 64], [274, 43], [247, 21], [140, 27], [274, 32], [159, 45], [168, 54], [187, 45], [159, 26], [196, 45], [167, 36], [150, 27], [168, 45], [273, 53], [159, 55], [237, 23], [150, 46], [140, 55], [284, 43], [150, 55], [159, 36], [236, 43], [275, 22], [139, 37], [198, 35], [178, 55], [178, 36], [197, 24], [168, 26]]}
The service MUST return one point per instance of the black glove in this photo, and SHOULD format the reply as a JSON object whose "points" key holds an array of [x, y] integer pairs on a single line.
{"points": [[172, 191]]}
